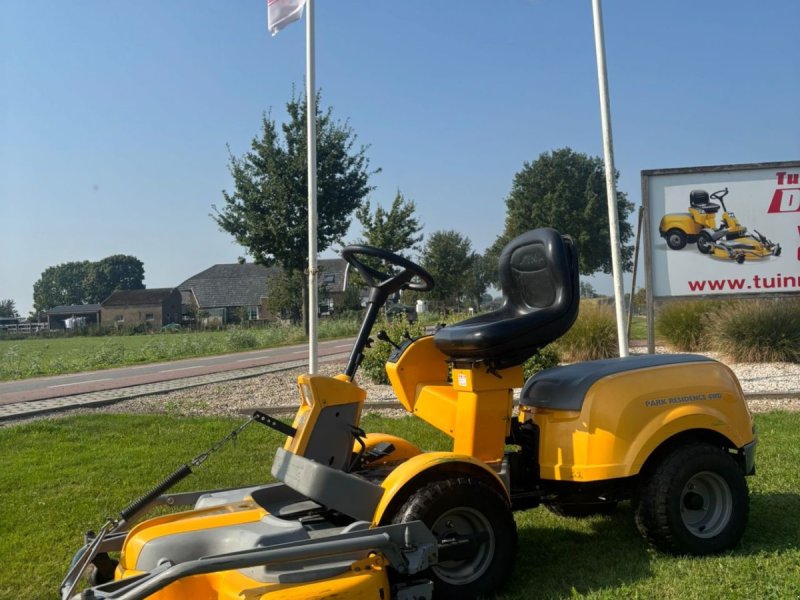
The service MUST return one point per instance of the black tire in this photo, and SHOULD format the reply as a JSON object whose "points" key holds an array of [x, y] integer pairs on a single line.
{"points": [[584, 510], [704, 243], [695, 502], [676, 239], [464, 508]]}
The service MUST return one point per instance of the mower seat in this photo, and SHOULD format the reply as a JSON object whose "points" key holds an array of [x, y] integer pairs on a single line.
{"points": [[699, 199], [539, 280]]}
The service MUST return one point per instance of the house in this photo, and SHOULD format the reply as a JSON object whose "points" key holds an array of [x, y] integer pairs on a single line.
{"points": [[236, 292], [228, 292], [154, 307], [73, 316]]}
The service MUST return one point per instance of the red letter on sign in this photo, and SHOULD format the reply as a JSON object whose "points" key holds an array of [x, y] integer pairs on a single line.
{"points": [[785, 200]]}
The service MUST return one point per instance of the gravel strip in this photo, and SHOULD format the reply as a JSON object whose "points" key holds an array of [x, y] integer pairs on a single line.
{"points": [[280, 389]]}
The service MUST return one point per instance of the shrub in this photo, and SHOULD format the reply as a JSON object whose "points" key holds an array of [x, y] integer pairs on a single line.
{"points": [[758, 331], [546, 358], [592, 337], [374, 364], [685, 324], [241, 339]]}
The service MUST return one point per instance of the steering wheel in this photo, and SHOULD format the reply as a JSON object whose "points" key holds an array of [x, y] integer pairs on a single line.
{"points": [[385, 281]]}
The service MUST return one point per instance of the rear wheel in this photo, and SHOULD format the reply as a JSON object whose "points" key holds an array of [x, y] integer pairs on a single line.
{"points": [[704, 242], [476, 532], [676, 239], [695, 502]]}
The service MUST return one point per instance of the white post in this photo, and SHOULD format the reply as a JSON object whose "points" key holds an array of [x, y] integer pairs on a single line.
{"points": [[311, 119], [611, 187]]}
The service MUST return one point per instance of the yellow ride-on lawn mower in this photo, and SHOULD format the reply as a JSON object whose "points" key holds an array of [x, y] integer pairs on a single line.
{"points": [[357, 515], [730, 240]]}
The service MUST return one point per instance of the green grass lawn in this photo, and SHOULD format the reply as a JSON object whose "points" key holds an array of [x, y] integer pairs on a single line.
{"points": [[63, 476], [34, 357]]}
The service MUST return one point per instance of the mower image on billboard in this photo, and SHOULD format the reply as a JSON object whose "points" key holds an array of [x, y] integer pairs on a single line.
{"points": [[729, 240], [369, 515]]}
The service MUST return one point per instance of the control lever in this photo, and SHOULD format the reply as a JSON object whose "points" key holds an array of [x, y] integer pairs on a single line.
{"points": [[384, 337]]}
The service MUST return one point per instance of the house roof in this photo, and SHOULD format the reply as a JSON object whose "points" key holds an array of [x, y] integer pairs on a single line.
{"points": [[226, 285], [246, 284], [74, 309], [331, 273], [144, 297]]}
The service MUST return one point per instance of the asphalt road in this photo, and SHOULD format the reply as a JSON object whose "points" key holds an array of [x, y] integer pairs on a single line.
{"points": [[42, 388]]}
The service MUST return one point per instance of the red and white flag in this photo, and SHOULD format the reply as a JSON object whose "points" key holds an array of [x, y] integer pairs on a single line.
{"points": [[282, 12]]}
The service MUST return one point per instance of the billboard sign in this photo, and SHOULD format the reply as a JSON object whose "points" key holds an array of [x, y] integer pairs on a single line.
{"points": [[724, 230]]}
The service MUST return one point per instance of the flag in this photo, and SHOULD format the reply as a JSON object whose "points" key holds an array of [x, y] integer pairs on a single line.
{"points": [[282, 12]]}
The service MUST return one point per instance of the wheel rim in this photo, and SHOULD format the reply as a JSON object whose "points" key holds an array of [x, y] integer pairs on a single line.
{"points": [[674, 240], [706, 504], [460, 523]]}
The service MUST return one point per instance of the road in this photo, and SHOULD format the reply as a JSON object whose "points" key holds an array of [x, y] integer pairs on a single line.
{"points": [[42, 388]]}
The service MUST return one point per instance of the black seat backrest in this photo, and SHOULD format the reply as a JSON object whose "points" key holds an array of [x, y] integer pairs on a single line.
{"points": [[698, 198], [539, 279]]}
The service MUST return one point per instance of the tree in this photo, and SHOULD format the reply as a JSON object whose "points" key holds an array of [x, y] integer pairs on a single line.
{"points": [[85, 282], [61, 285], [267, 213], [395, 230], [448, 256], [587, 290], [8, 308], [117, 272], [284, 293], [477, 280], [566, 190]]}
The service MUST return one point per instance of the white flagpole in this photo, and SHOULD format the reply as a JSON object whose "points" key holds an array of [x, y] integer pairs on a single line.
{"points": [[611, 186], [311, 118]]}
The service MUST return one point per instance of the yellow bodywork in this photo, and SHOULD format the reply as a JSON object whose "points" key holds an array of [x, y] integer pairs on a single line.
{"points": [[365, 579], [474, 408], [628, 415], [403, 475], [683, 221], [318, 392]]}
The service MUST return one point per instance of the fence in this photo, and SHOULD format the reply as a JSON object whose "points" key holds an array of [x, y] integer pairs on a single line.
{"points": [[24, 328]]}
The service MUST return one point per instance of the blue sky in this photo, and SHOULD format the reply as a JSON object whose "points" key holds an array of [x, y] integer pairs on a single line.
{"points": [[115, 116]]}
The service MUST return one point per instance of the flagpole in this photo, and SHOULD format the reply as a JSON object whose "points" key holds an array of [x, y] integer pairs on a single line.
{"points": [[611, 186], [311, 119]]}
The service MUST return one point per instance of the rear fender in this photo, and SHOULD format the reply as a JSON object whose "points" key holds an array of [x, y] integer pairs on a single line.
{"points": [[682, 221], [430, 466], [675, 424]]}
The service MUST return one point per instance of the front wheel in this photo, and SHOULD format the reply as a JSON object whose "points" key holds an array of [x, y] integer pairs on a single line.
{"points": [[476, 533], [704, 243], [695, 502]]}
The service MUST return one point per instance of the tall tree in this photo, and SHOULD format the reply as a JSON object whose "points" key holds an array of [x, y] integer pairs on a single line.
{"points": [[267, 212], [566, 190], [117, 272], [8, 308], [61, 285], [396, 230], [448, 257], [477, 280], [86, 282]]}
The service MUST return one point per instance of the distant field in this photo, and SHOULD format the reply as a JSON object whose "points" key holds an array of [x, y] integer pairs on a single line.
{"points": [[34, 357]]}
